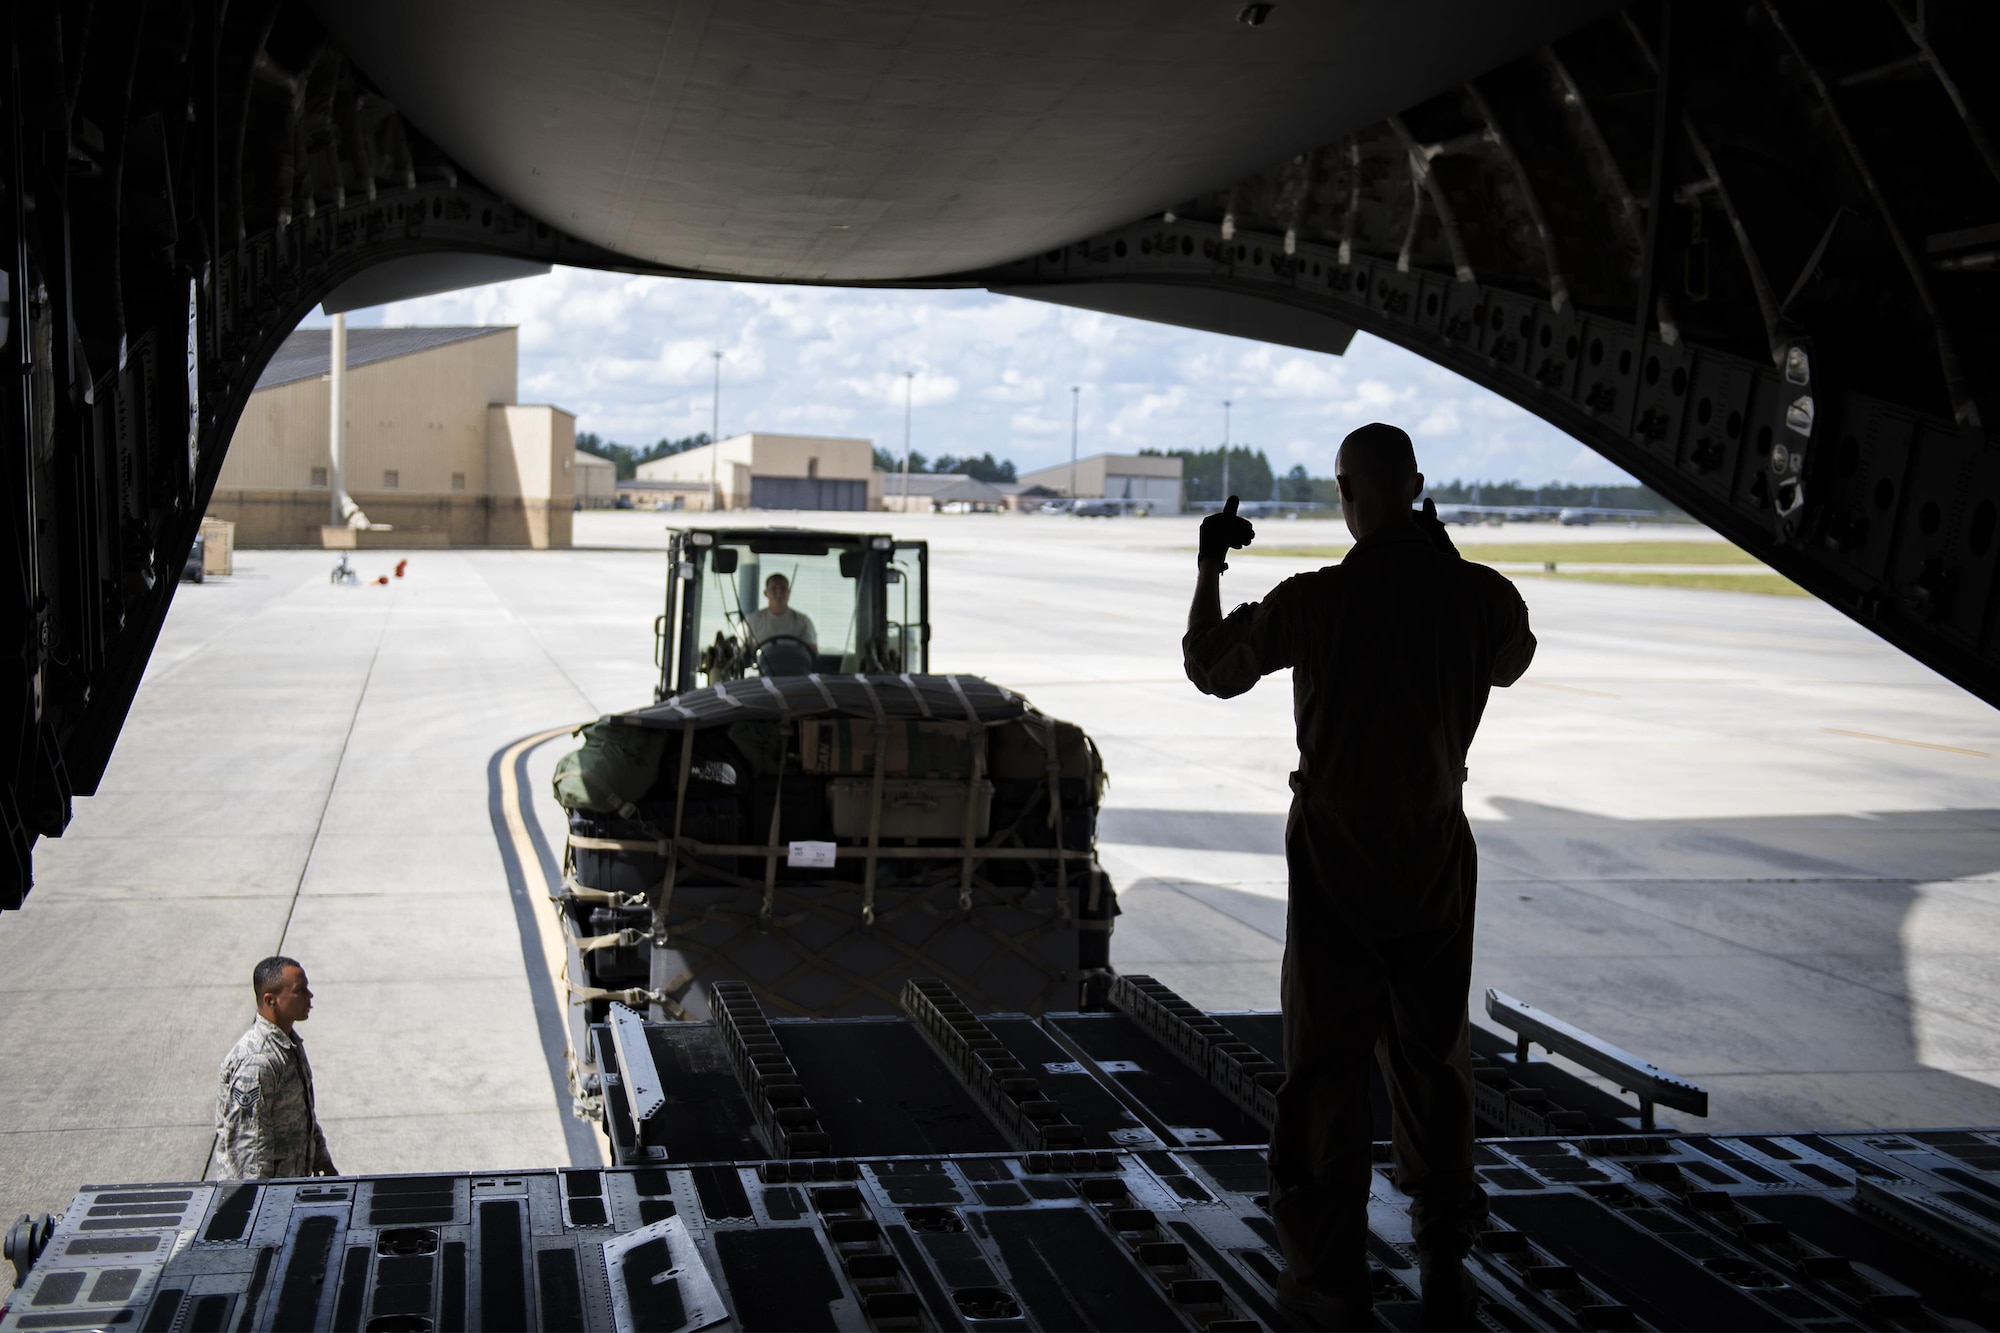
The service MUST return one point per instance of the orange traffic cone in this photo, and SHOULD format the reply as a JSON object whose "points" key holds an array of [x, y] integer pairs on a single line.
{"points": [[401, 565]]}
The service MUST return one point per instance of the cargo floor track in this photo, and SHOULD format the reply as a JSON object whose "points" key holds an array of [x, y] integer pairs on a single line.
{"points": [[944, 1170]]}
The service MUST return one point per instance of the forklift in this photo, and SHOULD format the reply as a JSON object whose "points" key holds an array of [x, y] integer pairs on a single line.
{"points": [[815, 815]]}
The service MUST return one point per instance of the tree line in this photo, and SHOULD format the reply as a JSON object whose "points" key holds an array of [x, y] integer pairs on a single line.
{"points": [[1252, 477], [628, 457], [983, 468]]}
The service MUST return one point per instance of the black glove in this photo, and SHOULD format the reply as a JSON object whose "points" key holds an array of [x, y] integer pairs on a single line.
{"points": [[1432, 527], [1220, 532]]}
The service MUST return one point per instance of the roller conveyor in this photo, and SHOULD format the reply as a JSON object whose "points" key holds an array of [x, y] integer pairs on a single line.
{"points": [[956, 1171]]}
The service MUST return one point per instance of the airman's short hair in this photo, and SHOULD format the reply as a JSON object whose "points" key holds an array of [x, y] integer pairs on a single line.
{"points": [[1378, 456], [265, 977], [780, 580]]}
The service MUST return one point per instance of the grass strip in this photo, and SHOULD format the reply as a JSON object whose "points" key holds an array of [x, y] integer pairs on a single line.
{"points": [[1773, 584], [1587, 553], [1295, 552]]}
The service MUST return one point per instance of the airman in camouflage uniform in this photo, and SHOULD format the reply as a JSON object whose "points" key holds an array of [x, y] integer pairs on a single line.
{"points": [[264, 1122]]}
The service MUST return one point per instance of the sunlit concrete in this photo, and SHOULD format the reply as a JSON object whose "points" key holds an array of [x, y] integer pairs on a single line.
{"points": [[1733, 833]]}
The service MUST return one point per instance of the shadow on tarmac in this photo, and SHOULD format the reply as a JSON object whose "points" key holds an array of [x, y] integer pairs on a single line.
{"points": [[1793, 961]]}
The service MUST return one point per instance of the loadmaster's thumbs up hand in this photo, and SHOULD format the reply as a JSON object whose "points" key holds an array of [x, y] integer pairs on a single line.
{"points": [[1220, 532], [1432, 527]]}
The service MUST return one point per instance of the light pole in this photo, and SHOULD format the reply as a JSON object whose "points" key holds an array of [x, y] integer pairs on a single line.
{"points": [[337, 423], [714, 430], [1224, 497], [1075, 397], [909, 391]]}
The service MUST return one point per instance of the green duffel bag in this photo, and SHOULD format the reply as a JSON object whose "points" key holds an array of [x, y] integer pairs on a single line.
{"points": [[617, 765]]}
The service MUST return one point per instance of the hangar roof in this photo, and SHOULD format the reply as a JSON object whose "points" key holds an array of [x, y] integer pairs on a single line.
{"points": [[945, 486], [308, 353]]}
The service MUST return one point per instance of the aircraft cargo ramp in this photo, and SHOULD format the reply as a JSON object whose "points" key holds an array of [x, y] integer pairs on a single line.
{"points": [[941, 1170]]}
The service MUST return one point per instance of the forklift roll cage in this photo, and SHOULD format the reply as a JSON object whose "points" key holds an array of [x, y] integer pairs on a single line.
{"points": [[876, 562]]}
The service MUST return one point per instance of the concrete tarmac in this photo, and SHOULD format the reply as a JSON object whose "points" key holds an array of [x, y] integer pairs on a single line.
{"points": [[1735, 834]]}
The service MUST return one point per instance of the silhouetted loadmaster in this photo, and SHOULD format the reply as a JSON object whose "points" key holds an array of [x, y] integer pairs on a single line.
{"points": [[1393, 652]]}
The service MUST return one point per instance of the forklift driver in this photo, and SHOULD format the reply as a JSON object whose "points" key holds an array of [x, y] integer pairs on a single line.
{"points": [[784, 640]]}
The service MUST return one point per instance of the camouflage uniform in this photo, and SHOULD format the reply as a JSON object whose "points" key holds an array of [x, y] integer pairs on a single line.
{"points": [[264, 1122]]}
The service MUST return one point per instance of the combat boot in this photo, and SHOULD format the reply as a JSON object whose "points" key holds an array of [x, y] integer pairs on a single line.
{"points": [[1307, 1307], [1447, 1302]]}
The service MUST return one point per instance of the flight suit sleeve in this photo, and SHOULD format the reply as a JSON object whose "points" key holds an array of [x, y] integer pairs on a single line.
{"points": [[1252, 641], [1514, 640]]}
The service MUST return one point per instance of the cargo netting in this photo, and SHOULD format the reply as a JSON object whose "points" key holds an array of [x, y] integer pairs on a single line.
{"points": [[829, 838]]}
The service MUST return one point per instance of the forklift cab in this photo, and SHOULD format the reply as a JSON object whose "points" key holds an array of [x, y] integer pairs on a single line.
{"points": [[867, 596]]}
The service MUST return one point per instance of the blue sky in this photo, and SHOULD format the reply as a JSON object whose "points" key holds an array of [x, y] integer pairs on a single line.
{"points": [[630, 356]]}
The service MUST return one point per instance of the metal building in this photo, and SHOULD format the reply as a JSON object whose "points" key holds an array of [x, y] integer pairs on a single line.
{"points": [[436, 448], [760, 470], [940, 493], [1142, 481], [594, 481]]}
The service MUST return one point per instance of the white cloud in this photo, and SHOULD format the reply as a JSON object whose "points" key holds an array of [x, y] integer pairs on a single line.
{"points": [[922, 389], [631, 357], [1442, 420], [1029, 423], [1013, 387], [1319, 377]]}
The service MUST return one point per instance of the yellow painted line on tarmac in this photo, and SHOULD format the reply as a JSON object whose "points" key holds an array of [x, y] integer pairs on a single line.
{"points": [[1569, 689], [537, 883], [1898, 740]]}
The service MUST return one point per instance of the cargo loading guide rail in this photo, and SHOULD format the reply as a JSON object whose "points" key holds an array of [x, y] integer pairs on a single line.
{"points": [[1645, 1080], [1129, 1076]]}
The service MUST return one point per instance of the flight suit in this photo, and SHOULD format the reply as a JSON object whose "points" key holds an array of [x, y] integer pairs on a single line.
{"points": [[1392, 652], [265, 1127]]}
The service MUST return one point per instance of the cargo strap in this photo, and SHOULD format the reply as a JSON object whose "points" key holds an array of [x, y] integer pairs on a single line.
{"points": [[880, 763], [826, 695], [617, 939], [770, 906], [666, 892], [580, 893], [976, 773], [637, 998], [1095, 777], [1056, 820], [979, 852], [656, 846]]}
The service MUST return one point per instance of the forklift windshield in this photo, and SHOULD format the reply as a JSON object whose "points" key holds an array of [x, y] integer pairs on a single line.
{"points": [[759, 602]]}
